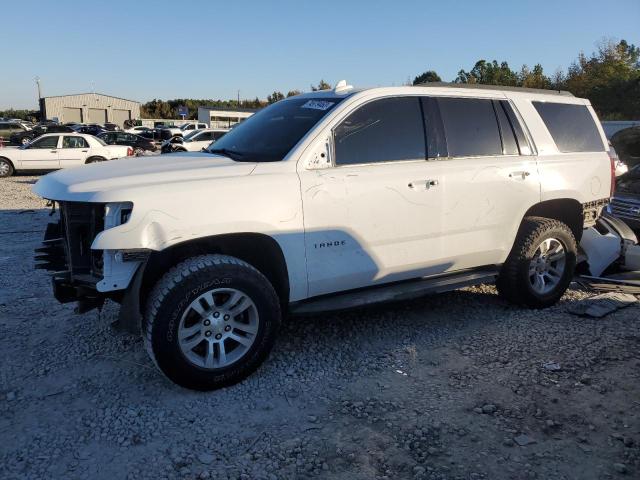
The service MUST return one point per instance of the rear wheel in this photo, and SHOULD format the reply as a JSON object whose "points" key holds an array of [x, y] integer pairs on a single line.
{"points": [[6, 168], [138, 151], [211, 321], [540, 265]]}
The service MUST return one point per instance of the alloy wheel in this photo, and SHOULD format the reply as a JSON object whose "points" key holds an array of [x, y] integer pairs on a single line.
{"points": [[547, 266], [218, 328]]}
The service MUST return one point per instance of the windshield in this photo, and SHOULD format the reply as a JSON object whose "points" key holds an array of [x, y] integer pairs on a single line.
{"points": [[271, 133], [190, 135]]}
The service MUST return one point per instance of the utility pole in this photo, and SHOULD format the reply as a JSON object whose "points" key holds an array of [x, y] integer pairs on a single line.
{"points": [[238, 98], [38, 83]]}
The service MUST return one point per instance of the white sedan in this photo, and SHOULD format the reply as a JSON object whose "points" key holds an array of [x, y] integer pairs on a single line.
{"points": [[58, 150], [192, 142]]}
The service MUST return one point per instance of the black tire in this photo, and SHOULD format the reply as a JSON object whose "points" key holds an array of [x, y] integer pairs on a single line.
{"points": [[6, 168], [172, 296], [95, 160], [138, 151], [514, 282], [24, 140]]}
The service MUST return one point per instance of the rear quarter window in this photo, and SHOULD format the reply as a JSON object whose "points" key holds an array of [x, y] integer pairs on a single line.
{"points": [[571, 126]]}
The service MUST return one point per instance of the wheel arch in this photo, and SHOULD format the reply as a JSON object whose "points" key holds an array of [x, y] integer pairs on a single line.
{"points": [[98, 158], [259, 250], [13, 165], [565, 210]]}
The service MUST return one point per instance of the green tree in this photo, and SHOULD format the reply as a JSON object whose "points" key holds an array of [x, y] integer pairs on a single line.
{"points": [[275, 97], [426, 77], [489, 73], [533, 78], [293, 93], [321, 86], [609, 78]]}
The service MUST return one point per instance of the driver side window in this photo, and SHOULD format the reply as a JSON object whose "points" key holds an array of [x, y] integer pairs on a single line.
{"points": [[390, 129], [45, 142]]}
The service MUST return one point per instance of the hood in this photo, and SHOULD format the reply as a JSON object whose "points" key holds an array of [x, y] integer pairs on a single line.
{"points": [[118, 180]]}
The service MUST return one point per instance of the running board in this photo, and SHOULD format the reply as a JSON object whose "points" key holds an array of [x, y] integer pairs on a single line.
{"points": [[395, 291]]}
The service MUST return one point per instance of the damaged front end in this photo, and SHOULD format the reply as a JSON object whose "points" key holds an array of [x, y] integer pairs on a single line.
{"points": [[79, 273]]}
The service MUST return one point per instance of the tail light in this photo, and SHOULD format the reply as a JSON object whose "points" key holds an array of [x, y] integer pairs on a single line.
{"points": [[129, 152], [612, 159]]}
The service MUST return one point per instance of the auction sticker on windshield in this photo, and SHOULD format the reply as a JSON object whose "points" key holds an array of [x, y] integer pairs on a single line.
{"points": [[318, 105]]}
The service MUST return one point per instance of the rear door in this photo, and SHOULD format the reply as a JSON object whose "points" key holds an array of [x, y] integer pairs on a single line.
{"points": [[41, 154], [490, 179], [74, 151], [200, 140]]}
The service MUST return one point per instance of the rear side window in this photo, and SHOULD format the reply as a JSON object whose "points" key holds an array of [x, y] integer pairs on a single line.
{"points": [[471, 127], [389, 129], [571, 126], [74, 142]]}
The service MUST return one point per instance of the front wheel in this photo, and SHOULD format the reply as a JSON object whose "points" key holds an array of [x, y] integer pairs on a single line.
{"points": [[540, 265], [211, 321]]}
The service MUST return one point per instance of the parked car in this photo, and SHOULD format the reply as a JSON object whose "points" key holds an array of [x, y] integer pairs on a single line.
{"points": [[92, 129], [138, 129], [329, 200], [112, 127], [8, 129], [138, 143], [625, 203], [182, 130], [192, 142], [24, 137], [154, 134], [53, 151]]}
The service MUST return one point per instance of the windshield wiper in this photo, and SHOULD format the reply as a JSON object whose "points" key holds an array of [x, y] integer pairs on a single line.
{"points": [[232, 154]]}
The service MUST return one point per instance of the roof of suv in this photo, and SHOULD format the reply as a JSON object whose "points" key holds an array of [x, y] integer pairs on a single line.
{"points": [[443, 88]]}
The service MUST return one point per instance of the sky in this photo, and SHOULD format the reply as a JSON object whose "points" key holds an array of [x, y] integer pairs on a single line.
{"points": [[142, 49]]}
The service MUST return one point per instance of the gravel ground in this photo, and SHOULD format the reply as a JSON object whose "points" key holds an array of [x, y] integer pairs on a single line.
{"points": [[456, 386]]}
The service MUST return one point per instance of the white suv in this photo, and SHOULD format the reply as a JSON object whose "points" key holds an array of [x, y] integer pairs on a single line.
{"points": [[330, 200]]}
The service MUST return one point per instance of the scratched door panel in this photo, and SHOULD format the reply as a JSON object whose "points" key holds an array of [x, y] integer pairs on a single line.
{"points": [[374, 223]]}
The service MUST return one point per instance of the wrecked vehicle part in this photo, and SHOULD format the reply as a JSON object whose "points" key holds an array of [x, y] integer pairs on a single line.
{"points": [[609, 243], [603, 304]]}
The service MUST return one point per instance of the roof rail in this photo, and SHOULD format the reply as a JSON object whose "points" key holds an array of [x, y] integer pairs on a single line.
{"points": [[481, 86]]}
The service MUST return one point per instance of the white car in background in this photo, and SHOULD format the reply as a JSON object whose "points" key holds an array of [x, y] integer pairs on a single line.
{"points": [[138, 129], [192, 142], [59, 150], [186, 128]]}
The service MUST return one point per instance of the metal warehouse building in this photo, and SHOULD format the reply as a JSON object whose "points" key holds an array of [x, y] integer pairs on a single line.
{"points": [[89, 108]]}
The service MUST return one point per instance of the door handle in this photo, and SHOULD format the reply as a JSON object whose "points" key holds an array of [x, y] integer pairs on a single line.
{"points": [[520, 174], [53, 151], [85, 151]]}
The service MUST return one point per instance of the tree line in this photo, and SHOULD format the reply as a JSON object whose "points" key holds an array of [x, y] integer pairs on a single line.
{"points": [[609, 78]]}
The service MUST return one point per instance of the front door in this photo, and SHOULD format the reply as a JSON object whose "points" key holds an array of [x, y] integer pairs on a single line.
{"points": [[41, 154], [74, 151], [375, 215]]}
